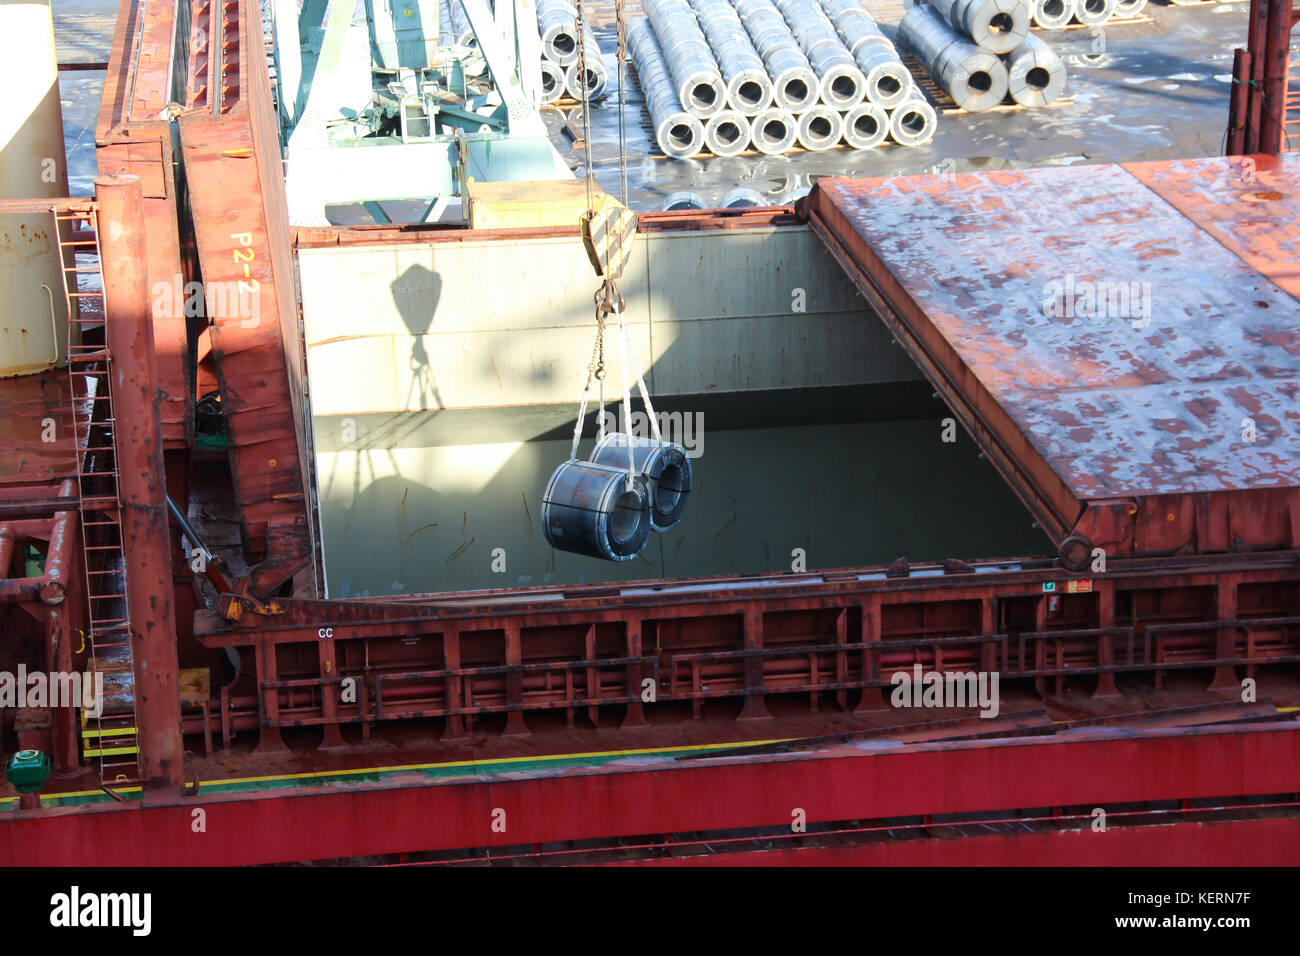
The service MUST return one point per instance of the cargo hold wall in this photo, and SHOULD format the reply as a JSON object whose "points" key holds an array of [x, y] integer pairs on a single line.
{"points": [[445, 377]]}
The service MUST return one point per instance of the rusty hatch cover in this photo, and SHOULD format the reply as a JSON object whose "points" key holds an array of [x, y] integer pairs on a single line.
{"points": [[1106, 345]]}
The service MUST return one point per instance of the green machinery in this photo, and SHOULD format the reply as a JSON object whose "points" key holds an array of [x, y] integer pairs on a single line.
{"points": [[27, 770], [386, 106]]}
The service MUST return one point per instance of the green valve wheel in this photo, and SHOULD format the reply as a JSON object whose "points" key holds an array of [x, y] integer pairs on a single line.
{"points": [[28, 770]]}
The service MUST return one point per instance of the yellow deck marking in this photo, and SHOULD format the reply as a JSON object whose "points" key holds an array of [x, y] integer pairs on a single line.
{"points": [[438, 766]]}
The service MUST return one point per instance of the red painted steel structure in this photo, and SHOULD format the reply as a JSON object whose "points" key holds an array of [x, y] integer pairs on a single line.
{"points": [[238, 214], [1099, 769], [1263, 116], [1229, 843], [141, 481], [55, 604], [133, 136], [840, 634], [1116, 427], [830, 638]]}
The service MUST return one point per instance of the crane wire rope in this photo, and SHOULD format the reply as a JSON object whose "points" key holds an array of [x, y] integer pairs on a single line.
{"points": [[607, 297]]}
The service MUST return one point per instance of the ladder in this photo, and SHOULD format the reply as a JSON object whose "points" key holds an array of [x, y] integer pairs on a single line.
{"points": [[109, 734]]}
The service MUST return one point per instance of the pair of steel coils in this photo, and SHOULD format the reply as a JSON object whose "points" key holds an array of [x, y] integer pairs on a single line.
{"points": [[605, 509]]}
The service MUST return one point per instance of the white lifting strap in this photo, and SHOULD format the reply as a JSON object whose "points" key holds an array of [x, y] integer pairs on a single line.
{"points": [[627, 401], [628, 359], [640, 380]]}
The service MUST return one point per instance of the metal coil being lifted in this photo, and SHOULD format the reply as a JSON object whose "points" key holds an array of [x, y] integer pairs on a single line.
{"points": [[727, 133], [773, 131], [998, 26], [795, 85], [866, 126], [1035, 74], [888, 80], [1093, 13], [842, 84], [1052, 14], [678, 133], [589, 509], [749, 90], [695, 72], [820, 128], [975, 78], [665, 467], [913, 122]]}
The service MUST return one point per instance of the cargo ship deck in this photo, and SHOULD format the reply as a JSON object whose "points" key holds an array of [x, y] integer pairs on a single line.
{"points": [[1151, 446]]}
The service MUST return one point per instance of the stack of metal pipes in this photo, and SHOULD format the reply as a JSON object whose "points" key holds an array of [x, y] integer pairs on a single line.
{"points": [[770, 75], [981, 51], [1056, 14], [561, 76]]}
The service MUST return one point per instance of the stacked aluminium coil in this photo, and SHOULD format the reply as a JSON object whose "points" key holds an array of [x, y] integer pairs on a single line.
{"points": [[678, 133], [557, 25], [770, 74], [1056, 14], [981, 51]]}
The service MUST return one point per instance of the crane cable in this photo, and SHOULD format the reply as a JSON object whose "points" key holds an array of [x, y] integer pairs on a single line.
{"points": [[620, 24], [608, 299], [580, 27]]}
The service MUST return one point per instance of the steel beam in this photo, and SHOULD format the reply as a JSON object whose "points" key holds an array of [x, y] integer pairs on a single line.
{"points": [[141, 481], [1276, 56]]}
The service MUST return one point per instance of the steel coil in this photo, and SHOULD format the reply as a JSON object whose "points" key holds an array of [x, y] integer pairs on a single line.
{"points": [[820, 128], [1093, 13], [557, 22], [596, 78], [589, 509], [678, 133], [553, 81], [749, 90], [975, 78], [1053, 14], [866, 126], [695, 73], [665, 467], [795, 85], [773, 131], [742, 197], [727, 133], [1035, 74], [998, 26], [684, 200], [841, 83], [914, 121], [888, 81]]}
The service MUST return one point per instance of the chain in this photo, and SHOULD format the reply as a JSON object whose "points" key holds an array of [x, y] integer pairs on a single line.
{"points": [[622, 102], [596, 367]]}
